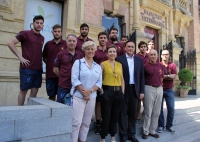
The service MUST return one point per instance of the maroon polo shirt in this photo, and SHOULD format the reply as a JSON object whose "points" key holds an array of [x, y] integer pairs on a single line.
{"points": [[64, 61], [100, 56], [170, 69], [120, 48], [31, 44], [154, 74], [80, 42], [50, 51], [145, 58]]}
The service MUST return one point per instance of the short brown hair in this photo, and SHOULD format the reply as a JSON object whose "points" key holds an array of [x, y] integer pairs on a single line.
{"points": [[102, 33], [56, 26], [111, 46], [150, 41], [141, 42], [113, 29]]}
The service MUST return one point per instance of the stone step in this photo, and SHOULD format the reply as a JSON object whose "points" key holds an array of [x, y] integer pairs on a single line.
{"points": [[182, 130], [193, 137], [178, 119]]}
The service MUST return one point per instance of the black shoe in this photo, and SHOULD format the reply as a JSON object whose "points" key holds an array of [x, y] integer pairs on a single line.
{"points": [[123, 139], [98, 129], [132, 138]]}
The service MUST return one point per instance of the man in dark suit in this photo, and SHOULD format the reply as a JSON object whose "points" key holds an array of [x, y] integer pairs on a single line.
{"points": [[133, 72]]}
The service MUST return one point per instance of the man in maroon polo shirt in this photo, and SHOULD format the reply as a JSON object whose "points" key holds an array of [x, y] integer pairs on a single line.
{"points": [[113, 35], [123, 40], [142, 46], [168, 93], [100, 56], [63, 64], [84, 30], [31, 59], [150, 45], [50, 51], [154, 73]]}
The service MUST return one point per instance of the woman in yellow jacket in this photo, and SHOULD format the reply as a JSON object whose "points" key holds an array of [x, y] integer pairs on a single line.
{"points": [[113, 94]]}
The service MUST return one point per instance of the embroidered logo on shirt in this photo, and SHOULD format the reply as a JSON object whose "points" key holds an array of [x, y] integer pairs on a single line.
{"points": [[160, 71], [28, 79], [118, 48], [55, 60]]}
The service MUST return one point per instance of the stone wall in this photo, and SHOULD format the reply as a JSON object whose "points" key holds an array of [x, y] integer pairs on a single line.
{"points": [[41, 120]]}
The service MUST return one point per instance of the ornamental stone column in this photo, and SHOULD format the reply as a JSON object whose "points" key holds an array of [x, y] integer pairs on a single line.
{"points": [[136, 15]]}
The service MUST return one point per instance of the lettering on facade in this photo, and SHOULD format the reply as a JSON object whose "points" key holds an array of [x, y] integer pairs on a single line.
{"points": [[152, 18]]}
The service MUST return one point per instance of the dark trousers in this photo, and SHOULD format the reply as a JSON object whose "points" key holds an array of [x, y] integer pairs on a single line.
{"points": [[128, 112], [168, 95], [111, 103]]}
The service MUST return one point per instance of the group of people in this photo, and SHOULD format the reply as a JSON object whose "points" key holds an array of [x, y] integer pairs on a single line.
{"points": [[109, 78]]}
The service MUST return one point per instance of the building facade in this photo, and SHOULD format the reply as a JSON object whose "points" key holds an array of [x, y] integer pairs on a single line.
{"points": [[167, 22]]}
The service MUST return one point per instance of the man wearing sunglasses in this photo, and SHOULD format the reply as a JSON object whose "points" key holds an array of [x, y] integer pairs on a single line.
{"points": [[168, 94], [63, 65]]}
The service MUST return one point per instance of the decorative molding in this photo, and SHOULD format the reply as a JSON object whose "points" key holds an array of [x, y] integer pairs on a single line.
{"points": [[116, 4], [166, 2], [181, 19], [79, 12]]}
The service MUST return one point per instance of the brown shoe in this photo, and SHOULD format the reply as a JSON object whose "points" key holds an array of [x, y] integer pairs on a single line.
{"points": [[144, 136], [154, 135]]}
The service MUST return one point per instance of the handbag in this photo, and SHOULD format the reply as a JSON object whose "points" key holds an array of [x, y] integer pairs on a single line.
{"points": [[68, 98]]}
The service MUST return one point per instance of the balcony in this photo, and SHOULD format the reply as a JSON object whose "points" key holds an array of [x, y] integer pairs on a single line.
{"points": [[183, 6]]}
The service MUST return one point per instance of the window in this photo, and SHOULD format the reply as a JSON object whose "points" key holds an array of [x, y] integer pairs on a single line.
{"points": [[108, 22]]}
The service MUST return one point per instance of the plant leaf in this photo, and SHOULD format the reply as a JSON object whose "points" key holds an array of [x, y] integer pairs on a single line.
{"points": [[40, 11], [48, 16]]}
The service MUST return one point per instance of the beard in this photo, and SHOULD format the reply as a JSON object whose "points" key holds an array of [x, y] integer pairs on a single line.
{"points": [[114, 38], [84, 34], [57, 37]]}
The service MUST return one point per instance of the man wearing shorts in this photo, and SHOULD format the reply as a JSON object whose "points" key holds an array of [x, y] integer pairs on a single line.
{"points": [[30, 59], [50, 51]]}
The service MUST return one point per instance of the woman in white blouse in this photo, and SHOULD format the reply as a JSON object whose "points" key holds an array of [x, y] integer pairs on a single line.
{"points": [[86, 79]]}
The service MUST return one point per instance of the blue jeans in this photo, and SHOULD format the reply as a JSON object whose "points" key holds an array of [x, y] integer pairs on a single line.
{"points": [[168, 95]]}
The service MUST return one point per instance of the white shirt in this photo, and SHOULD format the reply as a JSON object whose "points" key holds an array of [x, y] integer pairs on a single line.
{"points": [[89, 77], [131, 68]]}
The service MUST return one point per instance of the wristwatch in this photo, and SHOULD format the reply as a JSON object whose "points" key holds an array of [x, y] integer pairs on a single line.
{"points": [[92, 90]]}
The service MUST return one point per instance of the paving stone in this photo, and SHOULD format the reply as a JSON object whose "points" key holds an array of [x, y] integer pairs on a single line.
{"points": [[193, 137], [24, 112], [57, 109], [7, 130], [57, 138], [44, 127]]}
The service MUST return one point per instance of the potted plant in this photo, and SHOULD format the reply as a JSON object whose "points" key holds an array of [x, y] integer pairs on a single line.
{"points": [[185, 75]]}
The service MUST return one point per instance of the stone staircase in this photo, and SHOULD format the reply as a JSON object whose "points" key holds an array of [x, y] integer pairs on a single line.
{"points": [[186, 124]]}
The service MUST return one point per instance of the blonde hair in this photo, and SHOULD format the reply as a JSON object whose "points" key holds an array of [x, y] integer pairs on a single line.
{"points": [[87, 44]]}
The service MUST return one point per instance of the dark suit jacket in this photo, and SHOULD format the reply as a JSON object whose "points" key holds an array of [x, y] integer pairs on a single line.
{"points": [[138, 73]]}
